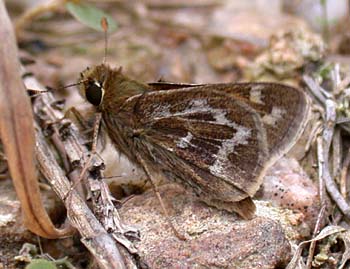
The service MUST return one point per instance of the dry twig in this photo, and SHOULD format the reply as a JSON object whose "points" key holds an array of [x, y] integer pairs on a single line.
{"points": [[344, 175], [330, 136], [327, 136], [95, 236]]}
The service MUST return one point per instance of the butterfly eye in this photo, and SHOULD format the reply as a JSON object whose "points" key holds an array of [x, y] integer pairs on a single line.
{"points": [[94, 93]]}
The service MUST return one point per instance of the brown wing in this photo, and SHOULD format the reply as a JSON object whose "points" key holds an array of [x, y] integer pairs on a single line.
{"points": [[283, 109], [212, 142], [161, 86], [214, 139]]}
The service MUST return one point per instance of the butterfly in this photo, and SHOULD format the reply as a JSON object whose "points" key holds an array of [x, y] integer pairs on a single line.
{"points": [[215, 139]]}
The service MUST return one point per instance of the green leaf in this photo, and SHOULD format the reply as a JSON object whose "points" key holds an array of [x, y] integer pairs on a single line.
{"points": [[90, 15], [325, 70], [41, 264]]}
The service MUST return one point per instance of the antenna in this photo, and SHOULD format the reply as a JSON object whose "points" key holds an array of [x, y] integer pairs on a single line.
{"points": [[66, 86], [34, 91], [104, 25]]}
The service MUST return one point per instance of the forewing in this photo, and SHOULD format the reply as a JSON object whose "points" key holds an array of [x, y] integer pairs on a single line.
{"points": [[283, 109], [220, 138]]}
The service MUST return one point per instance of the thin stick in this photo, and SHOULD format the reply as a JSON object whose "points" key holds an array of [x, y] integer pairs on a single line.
{"points": [[100, 243], [317, 229], [320, 163], [344, 175], [98, 118], [336, 154], [40, 246], [315, 89], [322, 195], [154, 186], [316, 130], [95, 237], [327, 138], [335, 78], [343, 120]]}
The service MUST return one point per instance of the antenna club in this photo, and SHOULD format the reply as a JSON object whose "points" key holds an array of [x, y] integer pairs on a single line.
{"points": [[104, 25]]}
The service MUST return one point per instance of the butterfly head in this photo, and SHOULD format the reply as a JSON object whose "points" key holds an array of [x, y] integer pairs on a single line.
{"points": [[93, 82], [106, 87]]}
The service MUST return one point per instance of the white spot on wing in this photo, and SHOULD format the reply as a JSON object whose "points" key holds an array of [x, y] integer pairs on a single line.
{"points": [[184, 142], [276, 114], [255, 95], [195, 106], [227, 147]]}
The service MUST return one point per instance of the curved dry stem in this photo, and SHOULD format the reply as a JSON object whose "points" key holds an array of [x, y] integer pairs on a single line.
{"points": [[31, 14], [17, 135]]}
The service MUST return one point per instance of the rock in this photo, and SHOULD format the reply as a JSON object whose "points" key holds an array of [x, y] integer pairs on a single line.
{"points": [[286, 185], [216, 239]]}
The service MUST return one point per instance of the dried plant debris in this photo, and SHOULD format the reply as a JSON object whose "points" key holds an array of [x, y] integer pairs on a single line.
{"points": [[287, 53], [157, 40], [69, 143], [332, 148], [325, 233], [332, 249]]}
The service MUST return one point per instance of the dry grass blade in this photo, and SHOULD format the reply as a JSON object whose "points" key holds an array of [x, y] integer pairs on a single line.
{"points": [[327, 231], [36, 11], [17, 134]]}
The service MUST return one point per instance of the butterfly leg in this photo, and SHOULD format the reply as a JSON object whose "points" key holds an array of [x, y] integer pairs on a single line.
{"points": [[69, 111], [154, 186], [78, 116]]}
